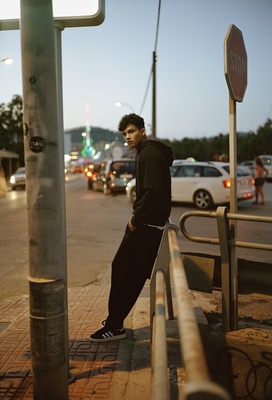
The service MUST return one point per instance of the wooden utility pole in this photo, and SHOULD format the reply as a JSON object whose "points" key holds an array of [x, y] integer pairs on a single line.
{"points": [[154, 123]]}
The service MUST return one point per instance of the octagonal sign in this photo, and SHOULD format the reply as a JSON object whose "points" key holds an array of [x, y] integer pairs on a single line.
{"points": [[235, 63]]}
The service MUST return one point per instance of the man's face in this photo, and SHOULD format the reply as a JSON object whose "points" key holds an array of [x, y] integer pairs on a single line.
{"points": [[134, 136]]}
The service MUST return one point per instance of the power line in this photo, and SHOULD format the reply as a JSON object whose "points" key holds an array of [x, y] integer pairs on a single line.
{"points": [[146, 91], [155, 48]]}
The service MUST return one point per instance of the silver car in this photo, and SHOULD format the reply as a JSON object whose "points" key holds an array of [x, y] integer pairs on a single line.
{"points": [[18, 179], [267, 162], [113, 175], [248, 166]]}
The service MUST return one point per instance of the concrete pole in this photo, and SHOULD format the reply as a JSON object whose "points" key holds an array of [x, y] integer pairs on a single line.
{"points": [[44, 160]]}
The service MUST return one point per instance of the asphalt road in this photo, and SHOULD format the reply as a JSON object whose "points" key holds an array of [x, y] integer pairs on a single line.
{"points": [[95, 226]]}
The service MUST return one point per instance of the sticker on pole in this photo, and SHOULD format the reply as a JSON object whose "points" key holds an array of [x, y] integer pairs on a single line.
{"points": [[69, 12], [235, 63], [37, 144]]}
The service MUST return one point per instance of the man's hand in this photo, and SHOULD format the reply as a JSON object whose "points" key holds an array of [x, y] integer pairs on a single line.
{"points": [[131, 227]]}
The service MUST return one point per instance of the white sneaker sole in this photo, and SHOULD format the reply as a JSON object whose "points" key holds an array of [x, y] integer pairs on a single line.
{"points": [[107, 339]]}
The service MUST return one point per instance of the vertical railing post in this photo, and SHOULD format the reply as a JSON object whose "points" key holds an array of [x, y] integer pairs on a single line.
{"points": [[162, 262], [224, 238], [160, 387]]}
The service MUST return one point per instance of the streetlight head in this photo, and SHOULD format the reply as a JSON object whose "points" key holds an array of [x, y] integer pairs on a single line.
{"points": [[7, 60], [120, 103]]}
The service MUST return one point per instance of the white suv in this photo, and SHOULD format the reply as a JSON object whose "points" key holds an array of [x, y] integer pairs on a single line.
{"points": [[203, 183]]}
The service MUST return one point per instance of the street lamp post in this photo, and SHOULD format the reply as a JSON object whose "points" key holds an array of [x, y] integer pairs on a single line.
{"points": [[7, 60], [120, 103]]}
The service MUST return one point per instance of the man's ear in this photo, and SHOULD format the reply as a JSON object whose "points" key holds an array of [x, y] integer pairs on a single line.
{"points": [[143, 131]]}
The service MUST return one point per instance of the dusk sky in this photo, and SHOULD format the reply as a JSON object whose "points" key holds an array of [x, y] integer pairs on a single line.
{"points": [[112, 62]]}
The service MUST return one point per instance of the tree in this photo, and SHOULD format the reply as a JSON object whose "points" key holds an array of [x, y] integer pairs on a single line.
{"points": [[264, 134], [249, 145], [11, 127]]}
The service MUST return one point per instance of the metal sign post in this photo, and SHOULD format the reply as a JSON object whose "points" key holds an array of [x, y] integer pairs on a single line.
{"points": [[235, 67], [233, 209]]}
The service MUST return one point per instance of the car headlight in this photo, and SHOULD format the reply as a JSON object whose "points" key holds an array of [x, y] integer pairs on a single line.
{"points": [[12, 179]]}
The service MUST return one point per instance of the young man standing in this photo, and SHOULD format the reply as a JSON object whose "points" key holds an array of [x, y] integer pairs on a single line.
{"points": [[135, 258]]}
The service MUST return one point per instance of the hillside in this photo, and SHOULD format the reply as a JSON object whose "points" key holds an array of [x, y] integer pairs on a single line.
{"points": [[97, 135]]}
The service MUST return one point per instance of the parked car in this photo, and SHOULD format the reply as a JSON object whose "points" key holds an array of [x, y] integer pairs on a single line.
{"points": [[267, 162], [247, 166], [90, 173], [18, 179], [203, 183], [113, 175], [131, 190]]}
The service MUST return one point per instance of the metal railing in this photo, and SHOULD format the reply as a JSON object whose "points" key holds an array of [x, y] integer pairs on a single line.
{"points": [[229, 271], [222, 217], [198, 386]]}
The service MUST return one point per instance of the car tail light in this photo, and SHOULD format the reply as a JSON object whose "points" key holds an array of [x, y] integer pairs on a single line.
{"points": [[226, 183], [247, 196], [253, 181]]}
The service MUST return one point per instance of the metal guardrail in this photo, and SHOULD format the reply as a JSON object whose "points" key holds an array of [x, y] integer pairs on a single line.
{"points": [[219, 214], [198, 386], [229, 270]]}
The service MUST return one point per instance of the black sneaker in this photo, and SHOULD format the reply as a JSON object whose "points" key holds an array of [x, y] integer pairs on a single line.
{"points": [[105, 335]]}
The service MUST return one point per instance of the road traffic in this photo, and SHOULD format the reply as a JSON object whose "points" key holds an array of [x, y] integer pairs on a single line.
{"points": [[95, 225]]}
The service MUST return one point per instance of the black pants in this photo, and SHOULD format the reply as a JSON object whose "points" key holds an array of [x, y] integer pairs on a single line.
{"points": [[131, 266]]}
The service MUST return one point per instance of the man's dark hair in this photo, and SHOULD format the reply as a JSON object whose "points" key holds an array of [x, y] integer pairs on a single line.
{"points": [[131, 119]]}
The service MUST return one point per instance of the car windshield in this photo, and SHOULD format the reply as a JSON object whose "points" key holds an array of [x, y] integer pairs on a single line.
{"points": [[247, 163], [20, 171], [266, 160], [123, 167]]}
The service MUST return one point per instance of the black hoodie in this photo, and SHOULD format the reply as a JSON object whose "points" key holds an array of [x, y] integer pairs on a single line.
{"points": [[153, 184]]}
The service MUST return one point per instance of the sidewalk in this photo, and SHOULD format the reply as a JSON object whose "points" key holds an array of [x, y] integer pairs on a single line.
{"points": [[121, 370], [112, 370]]}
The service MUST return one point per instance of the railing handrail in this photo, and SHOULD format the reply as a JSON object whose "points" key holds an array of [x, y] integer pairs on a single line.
{"points": [[199, 384], [230, 216], [227, 242]]}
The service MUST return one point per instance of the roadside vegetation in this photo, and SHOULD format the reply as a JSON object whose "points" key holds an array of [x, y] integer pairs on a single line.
{"points": [[249, 144]]}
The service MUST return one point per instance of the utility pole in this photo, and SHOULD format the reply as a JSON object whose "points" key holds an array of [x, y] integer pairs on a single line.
{"points": [[154, 111]]}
